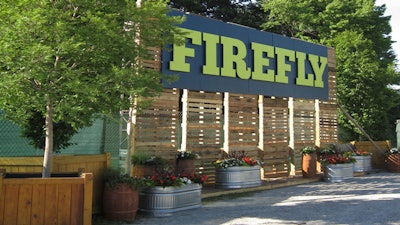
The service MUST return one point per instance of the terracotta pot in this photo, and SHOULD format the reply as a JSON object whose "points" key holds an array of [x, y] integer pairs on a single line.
{"points": [[393, 163], [120, 203], [185, 166], [309, 165]]}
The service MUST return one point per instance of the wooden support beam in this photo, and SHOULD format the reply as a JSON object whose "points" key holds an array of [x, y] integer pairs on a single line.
{"points": [[361, 129], [184, 118], [317, 125], [226, 122]]}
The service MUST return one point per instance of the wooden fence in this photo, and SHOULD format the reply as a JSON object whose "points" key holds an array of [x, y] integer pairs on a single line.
{"points": [[95, 164], [61, 200]]}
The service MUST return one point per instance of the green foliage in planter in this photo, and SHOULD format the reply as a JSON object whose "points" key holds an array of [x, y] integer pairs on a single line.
{"points": [[327, 150], [113, 177], [236, 158], [339, 158], [170, 178], [308, 149], [186, 155], [143, 158]]}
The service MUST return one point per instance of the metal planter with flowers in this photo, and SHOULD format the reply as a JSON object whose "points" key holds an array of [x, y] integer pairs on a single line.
{"points": [[338, 168], [237, 170], [363, 161], [169, 193]]}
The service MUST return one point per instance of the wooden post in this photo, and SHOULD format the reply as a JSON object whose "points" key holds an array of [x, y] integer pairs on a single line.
{"points": [[88, 195], [184, 100], [261, 128], [291, 133], [2, 194], [226, 122], [361, 129], [261, 122], [317, 134]]}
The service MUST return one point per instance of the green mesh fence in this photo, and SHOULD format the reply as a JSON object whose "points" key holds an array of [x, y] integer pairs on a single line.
{"points": [[102, 136]]}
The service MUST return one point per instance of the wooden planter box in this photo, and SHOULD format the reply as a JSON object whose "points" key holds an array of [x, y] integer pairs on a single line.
{"points": [[61, 199], [362, 164], [338, 172], [94, 164], [159, 201], [238, 177]]}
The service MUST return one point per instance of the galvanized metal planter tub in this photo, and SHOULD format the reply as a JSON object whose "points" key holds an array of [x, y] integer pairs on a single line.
{"points": [[362, 164], [238, 177], [338, 172], [159, 201]]}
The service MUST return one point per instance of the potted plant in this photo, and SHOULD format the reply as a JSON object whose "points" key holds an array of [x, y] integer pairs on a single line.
{"points": [[185, 162], [393, 160], [338, 167], [237, 170], [120, 195], [363, 161], [168, 191], [309, 161], [145, 165]]}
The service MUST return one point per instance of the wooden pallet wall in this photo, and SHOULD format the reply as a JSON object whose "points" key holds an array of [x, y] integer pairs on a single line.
{"points": [[206, 123], [329, 108], [157, 126], [205, 128], [304, 120], [275, 139], [243, 124]]}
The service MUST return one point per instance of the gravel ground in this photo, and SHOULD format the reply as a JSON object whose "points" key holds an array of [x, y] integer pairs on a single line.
{"points": [[369, 199]]}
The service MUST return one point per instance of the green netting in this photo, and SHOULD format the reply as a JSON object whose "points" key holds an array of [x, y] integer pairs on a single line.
{"points": [[100, 137]]}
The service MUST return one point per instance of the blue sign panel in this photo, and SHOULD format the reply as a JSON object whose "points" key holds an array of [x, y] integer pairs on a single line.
{"points": [[223, 57]]}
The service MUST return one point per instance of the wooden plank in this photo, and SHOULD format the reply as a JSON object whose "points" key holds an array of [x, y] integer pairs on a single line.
{"points": [[24, 204], [2, 194], [21, 161], [304, 106], [11, 209], [64, 204], [38, 206], [331, 58], [51, 207], [50, 181], [88, 194], [76, 203]]}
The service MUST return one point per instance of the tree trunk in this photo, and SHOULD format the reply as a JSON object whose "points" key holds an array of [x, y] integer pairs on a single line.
{"points": [[48, 148]]}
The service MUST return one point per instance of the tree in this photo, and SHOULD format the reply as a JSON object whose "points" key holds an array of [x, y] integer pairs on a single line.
{"points": [[67, 61], [360, 33], [244, 12]]}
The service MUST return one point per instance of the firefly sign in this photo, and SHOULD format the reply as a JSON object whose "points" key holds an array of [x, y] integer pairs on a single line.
{"points": [[222, 57]]}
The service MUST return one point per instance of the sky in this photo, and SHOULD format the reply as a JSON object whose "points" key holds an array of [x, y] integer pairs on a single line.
{"points": [[393, 9]]}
